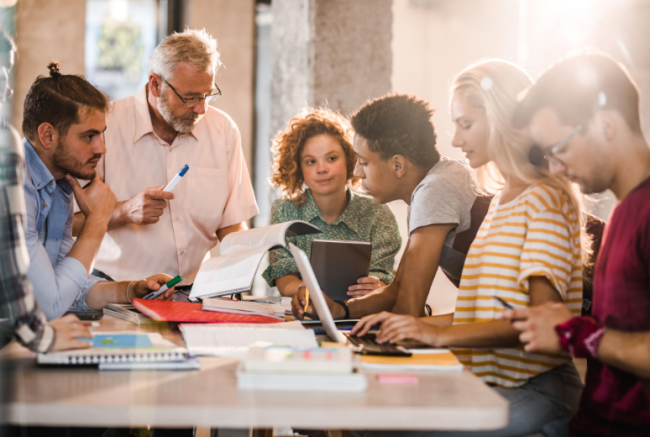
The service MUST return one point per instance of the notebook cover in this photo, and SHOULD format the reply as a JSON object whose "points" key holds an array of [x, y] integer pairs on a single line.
{"points": [[122, 347], [339, 264], [172, 311], [443, 360]]}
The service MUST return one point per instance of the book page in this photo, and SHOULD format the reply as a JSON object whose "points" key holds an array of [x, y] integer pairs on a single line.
{"points": [[228, 341], [227, 273], [273, 235]]}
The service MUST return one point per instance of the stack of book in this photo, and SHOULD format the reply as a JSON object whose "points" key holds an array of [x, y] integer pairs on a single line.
{"points": [[247, 307], [301, 369], [127, 312]]}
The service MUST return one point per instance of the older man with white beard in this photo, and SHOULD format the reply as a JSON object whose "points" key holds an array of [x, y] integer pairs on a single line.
{"points": [[149, 138]]}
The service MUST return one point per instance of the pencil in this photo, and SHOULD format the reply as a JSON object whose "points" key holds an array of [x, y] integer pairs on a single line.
{"points": [[306, 300]]}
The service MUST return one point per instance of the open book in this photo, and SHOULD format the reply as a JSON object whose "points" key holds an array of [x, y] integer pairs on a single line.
{"points": [[241, 255]]}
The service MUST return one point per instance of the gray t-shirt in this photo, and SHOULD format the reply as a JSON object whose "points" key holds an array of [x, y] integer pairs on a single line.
{"points": [[445, 195]]}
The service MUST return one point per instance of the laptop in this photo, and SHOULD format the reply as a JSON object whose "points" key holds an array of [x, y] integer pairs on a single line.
{"points": [[364, 345]]}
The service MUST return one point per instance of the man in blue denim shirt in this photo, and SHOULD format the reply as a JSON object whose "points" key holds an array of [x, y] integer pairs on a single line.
{"points": [[64, 117], [20, 315]]}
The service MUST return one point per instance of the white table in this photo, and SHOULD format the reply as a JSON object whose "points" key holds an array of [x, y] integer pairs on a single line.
{"points": [[68, 396]]}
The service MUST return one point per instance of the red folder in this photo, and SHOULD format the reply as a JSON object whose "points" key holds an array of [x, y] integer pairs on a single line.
{"points": [[171, 311]]}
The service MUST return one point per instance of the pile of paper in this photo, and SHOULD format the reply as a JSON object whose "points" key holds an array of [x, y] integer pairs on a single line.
{"points": [[234, 340]]}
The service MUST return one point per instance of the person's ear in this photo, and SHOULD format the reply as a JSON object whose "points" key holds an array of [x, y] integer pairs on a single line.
{"points": [[155, 85], [47, 135], [398, 166]]}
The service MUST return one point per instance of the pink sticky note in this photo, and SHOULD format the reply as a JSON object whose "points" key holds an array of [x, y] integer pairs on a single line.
{"points": [[397, 378]]}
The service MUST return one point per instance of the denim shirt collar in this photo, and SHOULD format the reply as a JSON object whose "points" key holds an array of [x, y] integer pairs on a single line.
{"points": [[40, 174]]}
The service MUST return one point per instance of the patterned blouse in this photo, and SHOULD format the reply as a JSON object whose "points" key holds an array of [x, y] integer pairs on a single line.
{"points": [[362, 220]]}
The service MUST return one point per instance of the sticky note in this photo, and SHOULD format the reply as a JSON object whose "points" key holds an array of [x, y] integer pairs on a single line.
{"points": [[397, 378]]}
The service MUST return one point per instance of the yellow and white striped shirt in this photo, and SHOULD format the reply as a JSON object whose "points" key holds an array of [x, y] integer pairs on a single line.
{"points": [[536, 234]]}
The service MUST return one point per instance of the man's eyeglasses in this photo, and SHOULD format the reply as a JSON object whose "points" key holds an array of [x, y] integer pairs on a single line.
{"points": [[192, 101], [537, 156]]}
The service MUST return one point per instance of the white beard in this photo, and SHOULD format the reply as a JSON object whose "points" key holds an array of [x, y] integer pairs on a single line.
{"points": [[184, 124]]}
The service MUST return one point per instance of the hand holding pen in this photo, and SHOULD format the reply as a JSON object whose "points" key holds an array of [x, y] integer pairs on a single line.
{"points": [[144, 208], [148, 206], [167, 286]]}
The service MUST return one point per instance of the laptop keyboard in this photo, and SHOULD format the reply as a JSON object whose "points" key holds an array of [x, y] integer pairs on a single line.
{"points": [[367, 345]]}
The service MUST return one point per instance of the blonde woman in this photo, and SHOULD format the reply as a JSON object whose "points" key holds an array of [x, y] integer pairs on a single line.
{"points": [[527, 252]]}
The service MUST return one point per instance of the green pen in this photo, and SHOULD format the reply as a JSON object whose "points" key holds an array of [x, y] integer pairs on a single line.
{"points": [[167, 286]]}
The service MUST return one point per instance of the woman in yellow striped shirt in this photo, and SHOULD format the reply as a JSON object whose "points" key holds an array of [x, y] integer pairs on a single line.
{"points": [[527, 252]]}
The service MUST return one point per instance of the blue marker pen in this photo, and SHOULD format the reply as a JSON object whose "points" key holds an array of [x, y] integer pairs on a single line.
{"points": [[170, 186]]}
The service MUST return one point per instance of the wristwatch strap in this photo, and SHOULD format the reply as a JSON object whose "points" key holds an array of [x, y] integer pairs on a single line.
{"points": [[345, 307]]}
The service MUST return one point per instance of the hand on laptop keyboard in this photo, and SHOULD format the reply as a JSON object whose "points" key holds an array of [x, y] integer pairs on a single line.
{"points": [[367, 345]]}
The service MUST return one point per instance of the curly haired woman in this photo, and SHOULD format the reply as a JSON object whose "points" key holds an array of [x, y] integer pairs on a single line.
{"points": [[315, 150]]}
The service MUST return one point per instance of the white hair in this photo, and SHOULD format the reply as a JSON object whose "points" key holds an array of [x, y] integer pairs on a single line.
{"points": [[195, 47]]}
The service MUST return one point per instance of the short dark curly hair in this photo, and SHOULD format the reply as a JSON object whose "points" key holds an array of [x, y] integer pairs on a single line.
{"points": [[399, 124]]}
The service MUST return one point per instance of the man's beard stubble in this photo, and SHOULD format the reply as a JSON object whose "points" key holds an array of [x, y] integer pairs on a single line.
{"points": [[184, 124], [64, 160]]}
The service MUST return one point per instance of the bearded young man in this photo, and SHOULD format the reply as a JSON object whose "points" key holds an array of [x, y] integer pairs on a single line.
{"points": [[583, 114], [149, 138], [63, 122]]}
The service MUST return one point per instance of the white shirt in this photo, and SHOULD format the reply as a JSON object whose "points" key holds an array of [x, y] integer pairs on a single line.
{"points": [[215, 193]]}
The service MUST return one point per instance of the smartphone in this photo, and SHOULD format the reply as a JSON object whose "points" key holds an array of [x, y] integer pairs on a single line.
{"points": [[504, 303], [87, 315]]}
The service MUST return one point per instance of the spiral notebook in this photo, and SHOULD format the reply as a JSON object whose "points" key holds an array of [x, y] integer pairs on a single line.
{"points": [[119, 347]]}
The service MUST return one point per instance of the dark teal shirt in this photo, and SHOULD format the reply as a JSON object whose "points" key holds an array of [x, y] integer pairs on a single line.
{"points": [[362, 220]]}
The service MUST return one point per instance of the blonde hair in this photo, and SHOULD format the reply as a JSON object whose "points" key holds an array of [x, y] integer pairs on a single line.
{"points": [[195, 47], [494, 85]]}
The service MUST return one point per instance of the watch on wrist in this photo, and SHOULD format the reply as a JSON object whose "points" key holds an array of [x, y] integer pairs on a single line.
{"points": [[345, 307]]}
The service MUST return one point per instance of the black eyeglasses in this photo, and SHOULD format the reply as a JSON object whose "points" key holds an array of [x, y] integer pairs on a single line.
{"points": [[537, 156], [194, 100]]}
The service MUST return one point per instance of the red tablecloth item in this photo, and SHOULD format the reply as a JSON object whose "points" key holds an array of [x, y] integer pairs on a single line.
{"points": [[171, 311]]}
